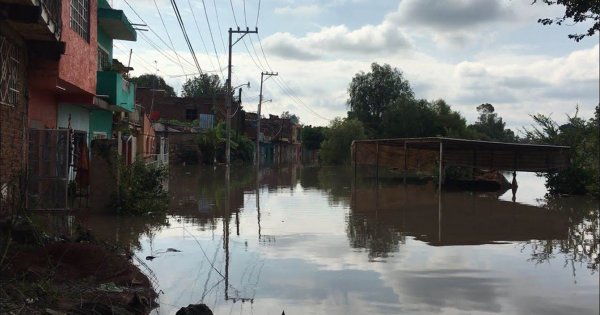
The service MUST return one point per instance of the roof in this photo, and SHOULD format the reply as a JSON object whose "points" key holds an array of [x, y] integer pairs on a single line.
{"points": [[461, 152], [115, 24]]}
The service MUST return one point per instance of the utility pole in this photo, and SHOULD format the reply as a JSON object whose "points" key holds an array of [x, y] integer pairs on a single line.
{"points": [[229, 92], [260, 98]]}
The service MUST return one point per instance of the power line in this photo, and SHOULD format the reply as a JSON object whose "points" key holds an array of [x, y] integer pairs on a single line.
{"points": [[168, 36], [152, 30], [200, 34], [185, 35], [219, 25], [212, 38], [159, 50], [257, 14]]}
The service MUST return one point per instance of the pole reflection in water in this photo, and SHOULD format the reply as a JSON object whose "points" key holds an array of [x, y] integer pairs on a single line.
{"points": [[348, 245]]}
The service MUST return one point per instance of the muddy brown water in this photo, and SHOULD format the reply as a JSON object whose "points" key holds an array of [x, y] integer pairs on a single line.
{"points": [[311, 240]]}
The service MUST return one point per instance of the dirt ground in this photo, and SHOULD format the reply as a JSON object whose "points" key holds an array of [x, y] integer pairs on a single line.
{"points": [[67, 277]]}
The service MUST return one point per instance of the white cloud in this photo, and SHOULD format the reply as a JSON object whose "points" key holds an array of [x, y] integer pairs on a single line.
{"points": [[302, 10]]}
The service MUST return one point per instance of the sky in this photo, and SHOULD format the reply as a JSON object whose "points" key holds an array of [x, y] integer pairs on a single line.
{"points": [[467, 52]]}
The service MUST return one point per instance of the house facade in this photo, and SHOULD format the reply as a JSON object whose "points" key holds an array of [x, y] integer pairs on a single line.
{"points": [[59, 90]]}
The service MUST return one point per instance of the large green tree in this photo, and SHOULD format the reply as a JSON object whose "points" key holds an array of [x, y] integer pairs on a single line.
{"points": [[372, 93], [153, 81], [312, 137], [584, 139], [339, 136], [202, 85], [490, 126], [577, 11]]}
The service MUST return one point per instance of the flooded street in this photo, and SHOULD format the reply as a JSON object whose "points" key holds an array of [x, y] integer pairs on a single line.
{"points": [[315, 241]]}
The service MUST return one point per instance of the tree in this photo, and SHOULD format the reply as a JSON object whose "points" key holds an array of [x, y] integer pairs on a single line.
{"points": [[371, 94], [578, 11], [490, 126], [153, 81], [409, 118], [336, 147], [292, 117], [583, 138], [202, 85], [312, 137]]}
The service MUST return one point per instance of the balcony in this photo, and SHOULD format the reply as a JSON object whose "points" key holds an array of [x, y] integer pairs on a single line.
{"points": [[119, 92], [35, 20]]}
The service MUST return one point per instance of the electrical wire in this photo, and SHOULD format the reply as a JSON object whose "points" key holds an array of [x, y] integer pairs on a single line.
{"points": [[185, 35], [169, 36], [150, 28], [201, 37], [219, 25], [212, 38]]}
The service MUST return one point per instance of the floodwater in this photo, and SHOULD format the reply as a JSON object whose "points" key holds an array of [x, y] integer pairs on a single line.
{"points": [[309, 240]]}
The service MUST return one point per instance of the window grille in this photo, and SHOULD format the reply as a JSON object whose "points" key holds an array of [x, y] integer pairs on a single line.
{"points": [[80, 18], [11, 75], [103, 60]]}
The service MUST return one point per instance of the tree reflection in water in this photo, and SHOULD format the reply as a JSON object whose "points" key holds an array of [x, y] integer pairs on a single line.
{"points": [[581, 245]]}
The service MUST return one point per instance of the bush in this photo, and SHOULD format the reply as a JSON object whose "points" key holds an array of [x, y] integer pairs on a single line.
{"points": [[140, 189], [336, 147]]}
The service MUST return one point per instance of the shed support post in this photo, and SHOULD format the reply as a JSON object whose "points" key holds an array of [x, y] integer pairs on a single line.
{"points": [[405, 164], [355, 151], [441, 170], [377, 161]]}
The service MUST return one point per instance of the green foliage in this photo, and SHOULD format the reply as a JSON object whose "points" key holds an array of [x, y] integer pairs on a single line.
{"points": [[312, 137], [578, 11], [154, 82], [491, 127], [175, 122], [212, 144], [372, 94], [202, 85], [338, 139], [140, 189], [292, 117], [583, 138]]}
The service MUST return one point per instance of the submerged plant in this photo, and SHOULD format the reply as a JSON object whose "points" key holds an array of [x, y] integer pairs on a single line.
{"points": [[140, 189]]}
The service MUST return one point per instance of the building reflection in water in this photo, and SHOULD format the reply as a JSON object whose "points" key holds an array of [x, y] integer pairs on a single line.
{"points": [[380, 218]]}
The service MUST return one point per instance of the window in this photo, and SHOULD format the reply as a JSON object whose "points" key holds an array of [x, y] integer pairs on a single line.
{"points": [[80, 18], [11, 75], [103, 59], [191, 114]]}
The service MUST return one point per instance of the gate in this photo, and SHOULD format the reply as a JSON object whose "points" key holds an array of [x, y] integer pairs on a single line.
{"points": [[48, 169]]}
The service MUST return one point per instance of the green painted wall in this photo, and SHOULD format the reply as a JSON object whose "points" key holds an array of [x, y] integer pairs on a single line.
{"points": [[105, 42], [101, 121], [119, 92]]}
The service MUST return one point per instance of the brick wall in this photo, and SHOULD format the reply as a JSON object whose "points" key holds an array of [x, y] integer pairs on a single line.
{"points": [[13, 119]]}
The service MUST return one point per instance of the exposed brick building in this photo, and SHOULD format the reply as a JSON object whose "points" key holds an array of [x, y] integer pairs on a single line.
{"points": [[188, 109]]}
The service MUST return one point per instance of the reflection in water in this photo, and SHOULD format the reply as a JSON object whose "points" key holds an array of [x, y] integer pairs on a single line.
{"points": [[317, 240]]}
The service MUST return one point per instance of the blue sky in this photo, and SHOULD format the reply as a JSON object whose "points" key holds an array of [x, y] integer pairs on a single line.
{"points": [[466, 52]]}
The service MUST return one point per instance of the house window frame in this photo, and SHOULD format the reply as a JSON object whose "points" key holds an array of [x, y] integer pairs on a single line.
{"points": [[103, 63], [11, 72], [80, 18]]}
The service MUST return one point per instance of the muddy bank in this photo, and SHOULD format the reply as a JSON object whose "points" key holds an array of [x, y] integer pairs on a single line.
{"points": [[70, 277]]}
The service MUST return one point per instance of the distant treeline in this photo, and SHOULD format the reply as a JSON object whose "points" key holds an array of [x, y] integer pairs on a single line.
{"points": [[382, 104]]}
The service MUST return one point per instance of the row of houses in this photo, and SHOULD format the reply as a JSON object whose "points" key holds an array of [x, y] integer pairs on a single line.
{"points": [[61, 91], [279, 137]]}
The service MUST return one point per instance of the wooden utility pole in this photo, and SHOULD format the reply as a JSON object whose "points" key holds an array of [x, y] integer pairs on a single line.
{"points": [[229, 91], [260, 98]]}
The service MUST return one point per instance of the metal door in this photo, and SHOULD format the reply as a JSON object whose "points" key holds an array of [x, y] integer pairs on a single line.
{"points": [[48, 169]]}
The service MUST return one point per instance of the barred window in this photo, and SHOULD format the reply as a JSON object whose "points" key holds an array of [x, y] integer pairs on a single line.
{"points": [[11, 76], [103, 59], [80, 18]]}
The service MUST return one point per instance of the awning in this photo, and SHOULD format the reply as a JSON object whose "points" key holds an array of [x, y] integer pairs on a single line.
{"points": [[115, 24]]}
